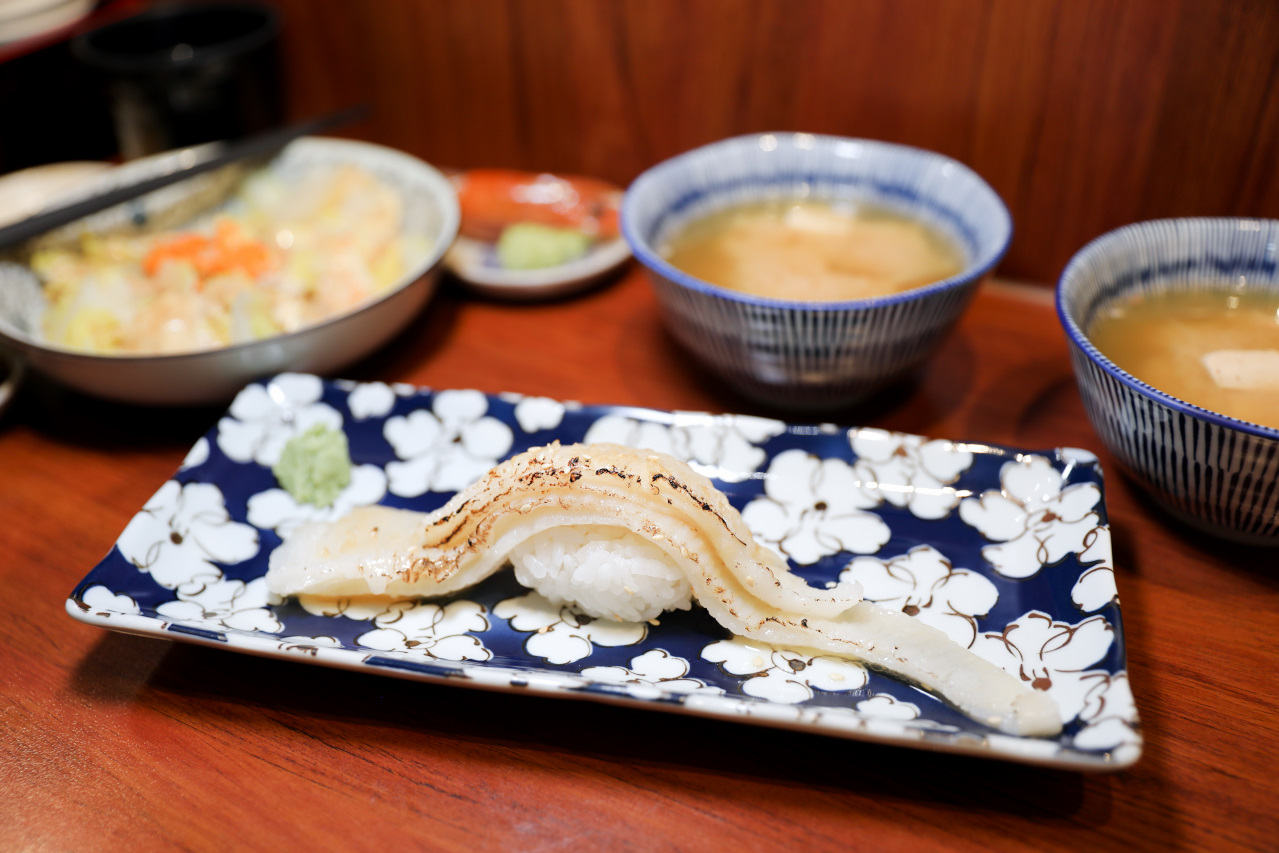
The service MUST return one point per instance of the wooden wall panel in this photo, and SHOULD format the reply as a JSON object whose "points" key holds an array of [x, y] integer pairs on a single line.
{"points": [[1083, 114]]}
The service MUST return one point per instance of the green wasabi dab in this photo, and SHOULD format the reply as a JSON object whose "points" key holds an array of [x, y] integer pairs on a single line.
{"points": [[315, 466], [529, 246]]}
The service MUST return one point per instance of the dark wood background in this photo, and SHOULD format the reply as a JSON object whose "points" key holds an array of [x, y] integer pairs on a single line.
{"points": [[1083, 114]]}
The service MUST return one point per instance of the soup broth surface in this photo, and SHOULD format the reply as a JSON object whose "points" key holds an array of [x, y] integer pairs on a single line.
{"points": [[813, 251], [1217, 349]]}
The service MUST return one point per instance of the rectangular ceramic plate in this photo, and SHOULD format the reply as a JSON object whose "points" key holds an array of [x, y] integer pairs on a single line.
{"points": [[1006, 551]]}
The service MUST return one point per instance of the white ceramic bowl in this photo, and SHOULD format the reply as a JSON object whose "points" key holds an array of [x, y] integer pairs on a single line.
{"points": [[1214, 472], [212, 376], [813, 355]]}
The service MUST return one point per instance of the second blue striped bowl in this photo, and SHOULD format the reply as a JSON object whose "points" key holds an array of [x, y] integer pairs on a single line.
{"points": [[812, 355], [1214, 472]]}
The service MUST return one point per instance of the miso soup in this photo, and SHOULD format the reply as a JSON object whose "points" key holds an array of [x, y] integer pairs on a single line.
{"points": [[1218, 349], [813, 251]]}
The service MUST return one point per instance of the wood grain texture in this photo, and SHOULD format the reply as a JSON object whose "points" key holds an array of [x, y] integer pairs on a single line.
{"points": [[1083, 114], [115, 742]]}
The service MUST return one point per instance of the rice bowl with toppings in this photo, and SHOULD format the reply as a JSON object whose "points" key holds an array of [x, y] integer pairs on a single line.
{"points": [[309, 264], [283, 254]]}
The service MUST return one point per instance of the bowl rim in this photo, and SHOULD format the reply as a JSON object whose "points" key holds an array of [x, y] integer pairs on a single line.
{"points": [[971, 273], [1077, 338], [87, 47], [451, 216]]}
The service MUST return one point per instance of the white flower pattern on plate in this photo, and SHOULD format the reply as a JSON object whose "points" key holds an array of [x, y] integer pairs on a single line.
{"points": [[812, 509], [1108, 714], [650, 674], [1096, 585], [445, 449], [562, 634], [262, 419], [884, 706], [197, 455], [182, 531], [719, 446], [909, 471], [534, 414], [100, 599], [422, 628], [924, 584], [370, 400], [359, 609], [223, 605], [784, 675], [1050, 655], [276, 509], [1036, 521], [877, 721]]}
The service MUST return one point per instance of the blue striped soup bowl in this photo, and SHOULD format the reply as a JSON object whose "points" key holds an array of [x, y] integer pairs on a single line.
{"points": [[1214, 472], [812, 355]]}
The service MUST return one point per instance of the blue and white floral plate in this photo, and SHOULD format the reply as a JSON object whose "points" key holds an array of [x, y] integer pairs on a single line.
{"points": [[1006, 551]]}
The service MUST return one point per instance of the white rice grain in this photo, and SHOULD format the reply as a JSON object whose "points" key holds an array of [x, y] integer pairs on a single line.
{"points": [[607, 572]]}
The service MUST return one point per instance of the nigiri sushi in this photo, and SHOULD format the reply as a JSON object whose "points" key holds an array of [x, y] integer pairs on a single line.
{"points": [[627, 534]]}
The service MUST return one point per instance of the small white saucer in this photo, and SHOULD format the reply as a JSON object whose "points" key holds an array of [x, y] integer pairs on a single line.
{"points": [[475, 263]]}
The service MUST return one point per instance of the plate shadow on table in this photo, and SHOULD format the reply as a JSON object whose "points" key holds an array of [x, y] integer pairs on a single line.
{"points": [[911, 404], [220, 691], [1148, 684]]}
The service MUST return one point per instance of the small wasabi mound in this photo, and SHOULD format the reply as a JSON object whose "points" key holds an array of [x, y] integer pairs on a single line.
{"points": [[315, 466], [530, 246]]}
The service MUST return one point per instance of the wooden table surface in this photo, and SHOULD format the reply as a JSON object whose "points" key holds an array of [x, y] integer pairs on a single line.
{"points": [[110, 741]]}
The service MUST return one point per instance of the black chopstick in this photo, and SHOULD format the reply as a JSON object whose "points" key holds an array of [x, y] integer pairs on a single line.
{"points": [[232, 151]]}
